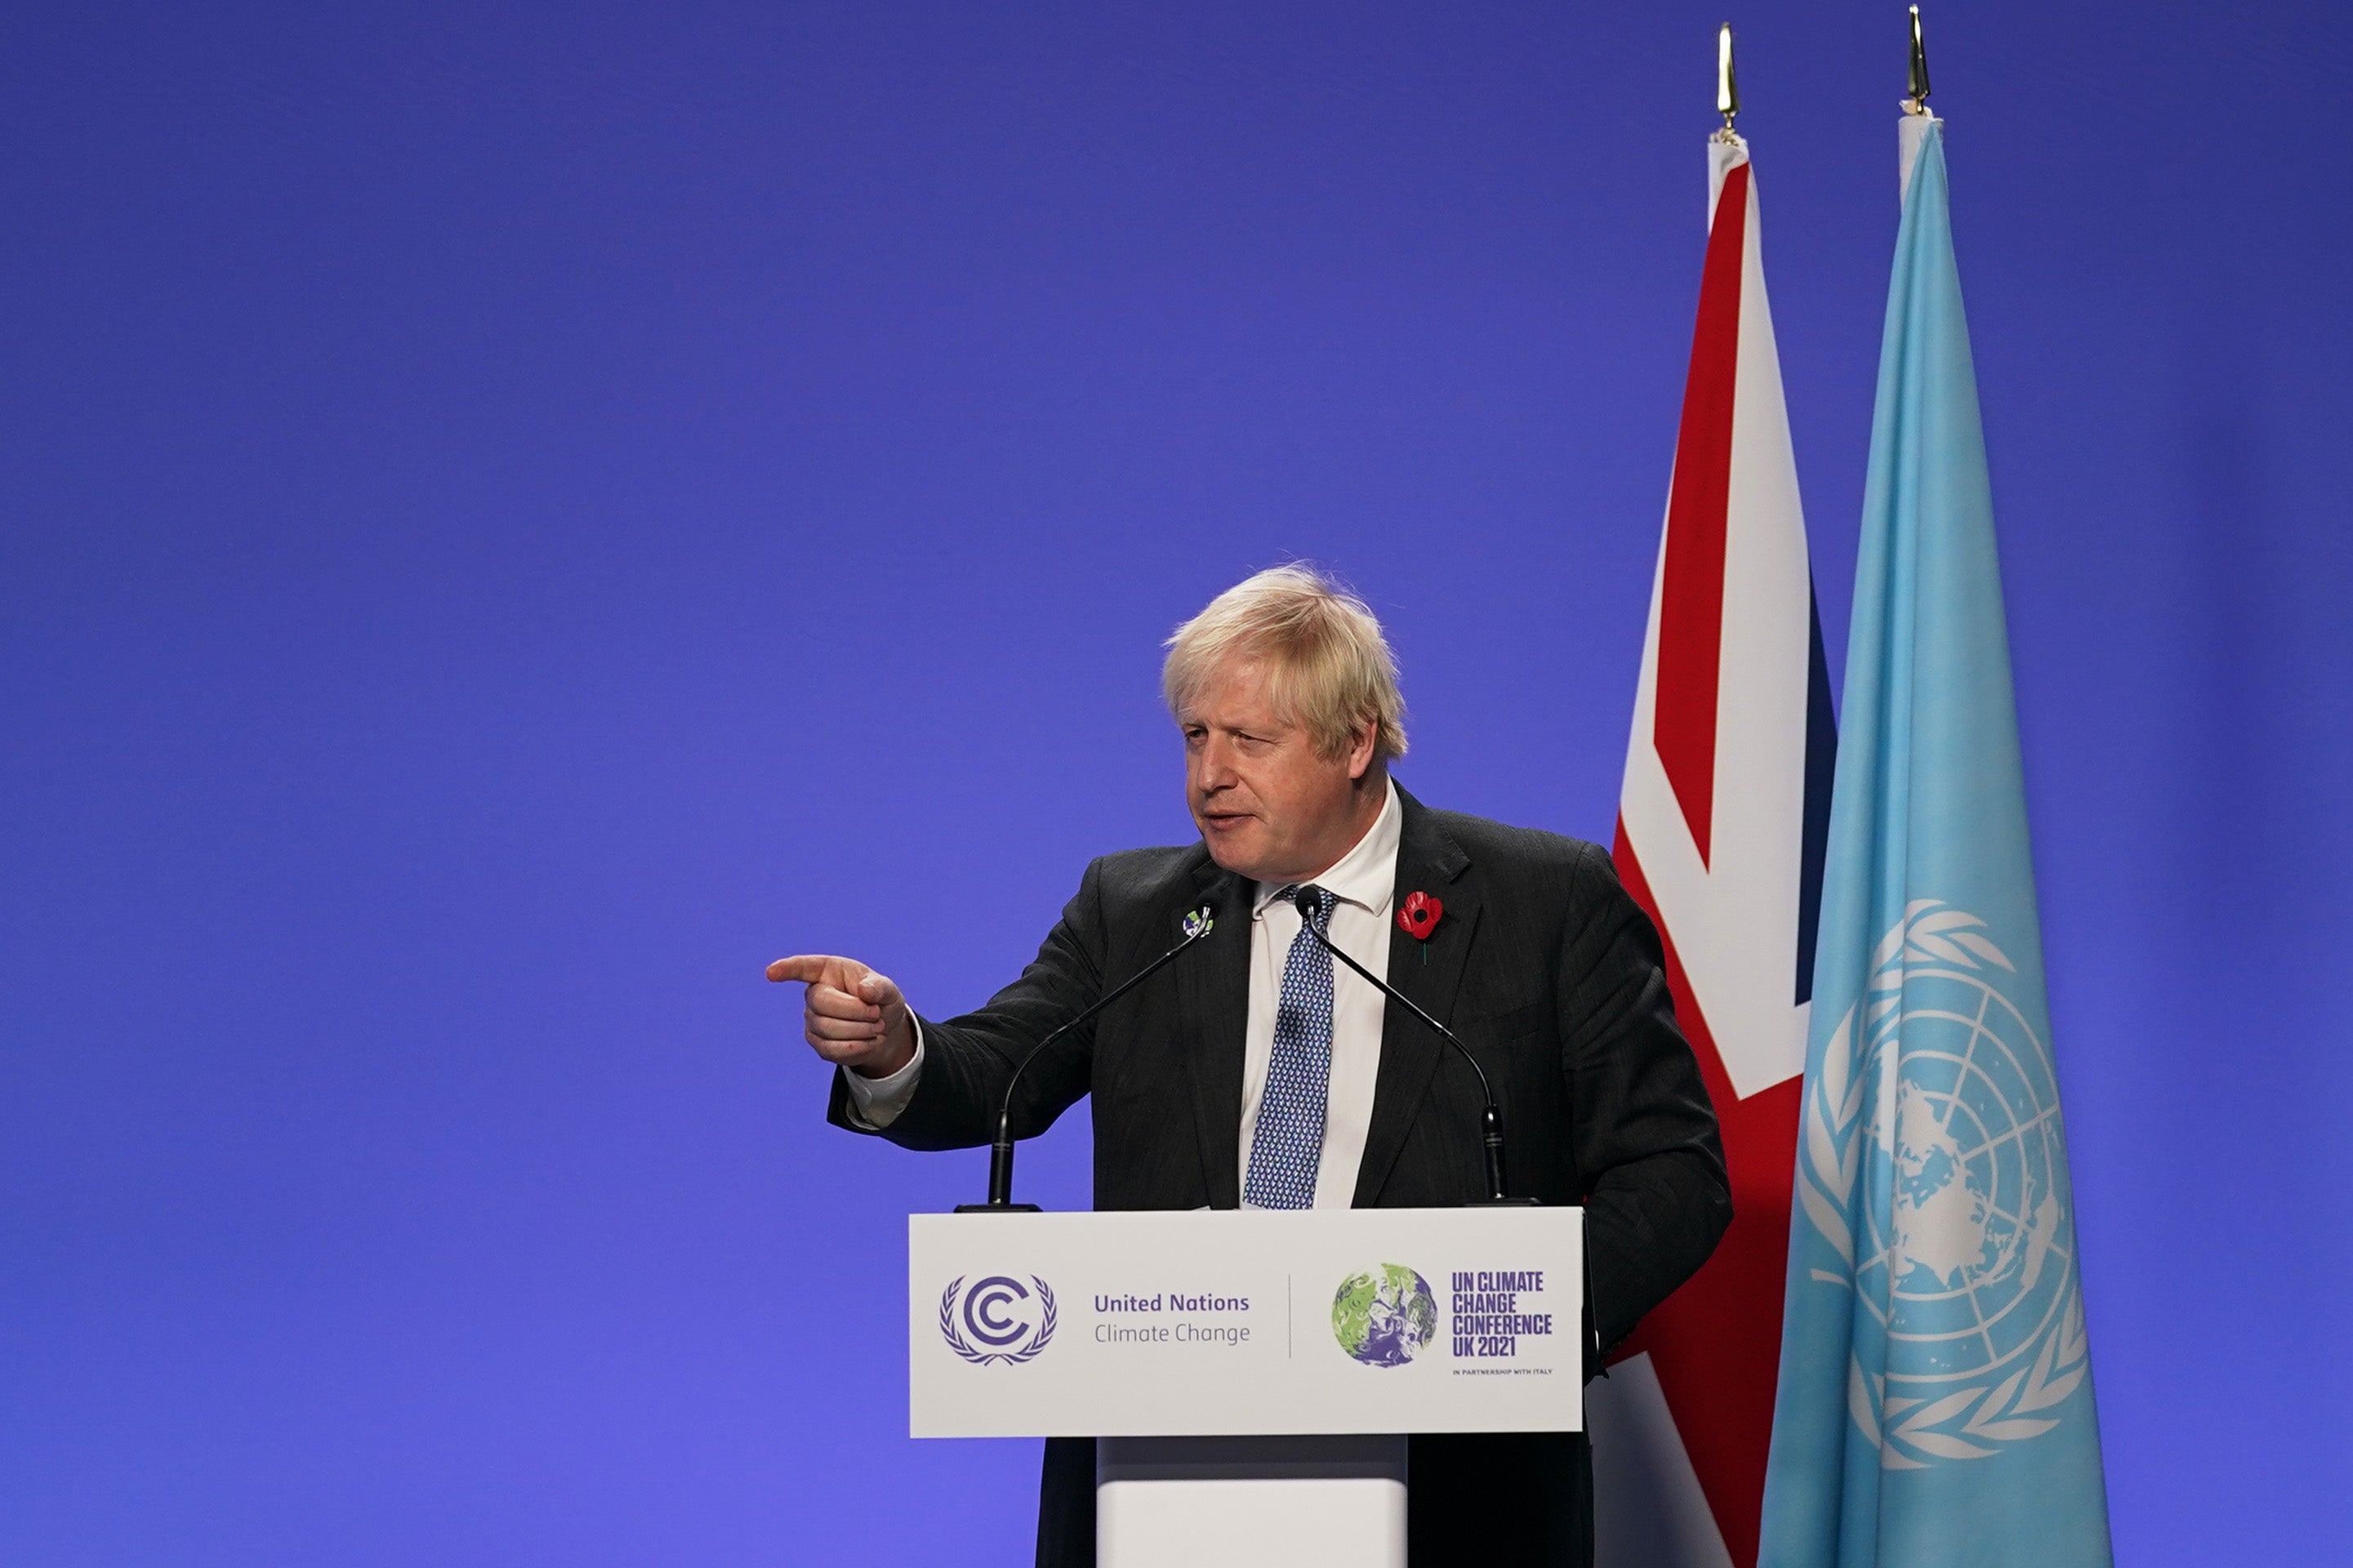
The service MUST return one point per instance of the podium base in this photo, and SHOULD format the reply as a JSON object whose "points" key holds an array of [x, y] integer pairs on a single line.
{"points": [[1250, 1502]]}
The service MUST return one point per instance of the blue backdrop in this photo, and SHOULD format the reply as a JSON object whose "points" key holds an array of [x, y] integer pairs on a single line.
{"points": [[516, 517]]}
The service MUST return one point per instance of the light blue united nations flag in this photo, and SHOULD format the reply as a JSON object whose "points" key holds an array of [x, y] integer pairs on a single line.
{"points": [[1935, 1404]]}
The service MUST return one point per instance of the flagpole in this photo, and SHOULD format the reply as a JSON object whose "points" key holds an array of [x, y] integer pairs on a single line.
{"points": [[1913, 128], [1725, 147], [1727, 87], [1916, 78]]}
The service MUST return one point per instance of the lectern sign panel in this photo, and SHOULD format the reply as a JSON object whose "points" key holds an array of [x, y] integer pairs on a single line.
{"points": [[1324, 1321]]}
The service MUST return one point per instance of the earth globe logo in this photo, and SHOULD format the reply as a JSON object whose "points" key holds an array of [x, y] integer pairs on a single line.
{"points": [[1935, 1166], [1382, 1317]]}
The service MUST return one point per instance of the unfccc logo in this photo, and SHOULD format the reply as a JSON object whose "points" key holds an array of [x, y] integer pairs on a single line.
{"points": [[999, 1319]]}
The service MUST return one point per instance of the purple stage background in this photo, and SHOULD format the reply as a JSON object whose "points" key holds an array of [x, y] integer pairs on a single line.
{"points": [[515, 518]]}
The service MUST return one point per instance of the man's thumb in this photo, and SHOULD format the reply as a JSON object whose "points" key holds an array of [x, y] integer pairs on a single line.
{"points": [[878, 991]]}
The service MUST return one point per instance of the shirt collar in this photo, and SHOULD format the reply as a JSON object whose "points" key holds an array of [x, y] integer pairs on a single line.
{"points": [[1366, 875]]}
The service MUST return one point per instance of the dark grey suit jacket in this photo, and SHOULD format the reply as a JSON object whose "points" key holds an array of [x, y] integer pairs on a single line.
{"points": [[1545, 969]]}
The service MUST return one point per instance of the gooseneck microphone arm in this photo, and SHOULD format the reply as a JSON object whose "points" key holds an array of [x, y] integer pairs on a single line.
{"points": [[1197, 924], [1309, 901]]}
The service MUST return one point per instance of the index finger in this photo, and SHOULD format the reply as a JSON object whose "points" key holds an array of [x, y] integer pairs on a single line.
{"points": [[805, 967]]}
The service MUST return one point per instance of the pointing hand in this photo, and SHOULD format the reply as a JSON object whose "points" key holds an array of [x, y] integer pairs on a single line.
{"points": [[851, 1016]]}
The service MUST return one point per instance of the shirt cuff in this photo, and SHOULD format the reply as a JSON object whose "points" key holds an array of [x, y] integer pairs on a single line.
{"points": [[875, 1102]]}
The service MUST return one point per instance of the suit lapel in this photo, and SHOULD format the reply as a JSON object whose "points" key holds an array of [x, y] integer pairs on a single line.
{"points": [[1428, 972], [1216, 1012]]}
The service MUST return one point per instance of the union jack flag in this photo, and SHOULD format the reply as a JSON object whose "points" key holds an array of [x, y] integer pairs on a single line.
{"points": [[1720, 825]]}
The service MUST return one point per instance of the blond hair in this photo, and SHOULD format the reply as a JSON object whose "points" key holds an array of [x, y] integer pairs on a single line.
{"points": [[1328, 667]]}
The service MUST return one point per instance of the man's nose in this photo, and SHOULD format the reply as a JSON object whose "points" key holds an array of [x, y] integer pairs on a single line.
{"points": [[1214, 771]]}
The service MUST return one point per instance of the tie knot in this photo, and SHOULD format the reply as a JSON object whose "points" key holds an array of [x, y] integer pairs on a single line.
{"points": [[1325, 899]]}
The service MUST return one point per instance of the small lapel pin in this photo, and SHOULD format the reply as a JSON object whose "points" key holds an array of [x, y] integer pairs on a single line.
{"points": [[1198, 922], [1419, 915]]}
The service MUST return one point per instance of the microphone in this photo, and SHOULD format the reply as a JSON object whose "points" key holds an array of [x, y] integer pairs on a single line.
{"points": [[1197, 924], [1309, 900]]}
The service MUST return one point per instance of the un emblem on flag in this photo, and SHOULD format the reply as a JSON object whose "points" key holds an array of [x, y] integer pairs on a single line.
{"points": [[1935, 1167]]}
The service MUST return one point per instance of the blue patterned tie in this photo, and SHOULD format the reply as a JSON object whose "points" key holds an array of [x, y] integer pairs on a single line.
{"points": [[1289, 1142]]}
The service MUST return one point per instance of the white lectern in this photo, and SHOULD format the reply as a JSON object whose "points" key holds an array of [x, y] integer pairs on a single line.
{"points": [[1248, 1376]]}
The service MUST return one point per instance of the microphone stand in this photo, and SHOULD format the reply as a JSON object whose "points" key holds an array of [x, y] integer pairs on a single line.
{"points": [[1197, 924], [1490, 1119]]}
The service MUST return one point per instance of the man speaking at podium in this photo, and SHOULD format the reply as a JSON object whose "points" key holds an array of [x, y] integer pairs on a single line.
{"points": [[1249, 1073]]}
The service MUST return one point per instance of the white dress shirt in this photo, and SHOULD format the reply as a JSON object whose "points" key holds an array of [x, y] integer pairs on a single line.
{"points": [[1364, 884]]}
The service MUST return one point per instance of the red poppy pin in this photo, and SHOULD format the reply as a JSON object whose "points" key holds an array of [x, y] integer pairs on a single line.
{"points": [[1418, 917]]}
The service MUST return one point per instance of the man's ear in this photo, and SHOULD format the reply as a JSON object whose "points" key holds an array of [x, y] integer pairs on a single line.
{"points": [[1361, 746]]}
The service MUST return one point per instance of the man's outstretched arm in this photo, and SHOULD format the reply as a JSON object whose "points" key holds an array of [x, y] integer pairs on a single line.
{"points": [[858, 1020]]}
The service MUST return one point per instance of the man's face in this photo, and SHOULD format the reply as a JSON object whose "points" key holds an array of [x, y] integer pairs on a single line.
{"points": [[1268, 805]]}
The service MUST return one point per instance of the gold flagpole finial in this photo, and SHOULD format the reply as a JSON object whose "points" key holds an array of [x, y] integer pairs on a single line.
{"points": [[1728, 89], [1917, 81]]}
